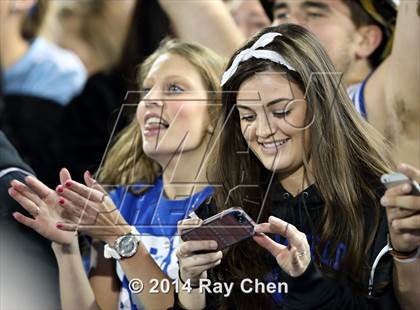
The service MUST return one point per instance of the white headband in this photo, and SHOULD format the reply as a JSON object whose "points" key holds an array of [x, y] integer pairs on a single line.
{"points": [[252, 52]]}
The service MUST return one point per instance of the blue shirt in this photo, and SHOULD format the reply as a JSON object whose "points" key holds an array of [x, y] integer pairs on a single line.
{"points": [[155, 218], [357, 95], [46, 71]]}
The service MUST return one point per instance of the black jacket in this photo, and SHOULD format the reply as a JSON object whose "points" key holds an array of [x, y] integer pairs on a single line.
{"points": [[314, 289], [31, 124], [28, 268], [87, 123], [11, 167]]}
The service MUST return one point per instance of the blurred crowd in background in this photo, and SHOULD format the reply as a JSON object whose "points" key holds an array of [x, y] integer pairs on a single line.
{"points": [[68, 65]]}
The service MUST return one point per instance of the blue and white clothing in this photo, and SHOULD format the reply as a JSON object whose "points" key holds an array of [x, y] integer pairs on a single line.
{"points": [[46, 71], [155, 218], [357, 95]]}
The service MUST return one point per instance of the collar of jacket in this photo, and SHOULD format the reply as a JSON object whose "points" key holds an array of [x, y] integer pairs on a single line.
{"points": [[311, 196]]}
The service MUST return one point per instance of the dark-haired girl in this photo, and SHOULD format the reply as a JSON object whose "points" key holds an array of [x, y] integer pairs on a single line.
{"points": [[296, 156]]}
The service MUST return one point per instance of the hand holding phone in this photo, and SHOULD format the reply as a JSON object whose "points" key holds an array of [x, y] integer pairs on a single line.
{"points": [[195, 257], [402, 207], [398, 178], [226, 228]]}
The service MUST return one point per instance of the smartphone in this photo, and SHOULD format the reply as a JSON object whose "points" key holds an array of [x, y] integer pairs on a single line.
{"points": [[226, 228], [398, 178]]}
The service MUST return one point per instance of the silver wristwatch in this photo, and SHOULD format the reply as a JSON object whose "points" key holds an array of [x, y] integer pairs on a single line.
{"points": [[124, 246]]}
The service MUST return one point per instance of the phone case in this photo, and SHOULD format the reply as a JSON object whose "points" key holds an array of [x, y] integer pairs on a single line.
{"points": [[227, 228], [393, 179], [397, 178]]}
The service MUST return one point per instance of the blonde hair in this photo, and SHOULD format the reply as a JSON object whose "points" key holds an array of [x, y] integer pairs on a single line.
{"points": [[126, 163]]}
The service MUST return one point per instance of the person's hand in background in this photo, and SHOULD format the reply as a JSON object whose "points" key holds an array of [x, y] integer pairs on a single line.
{"points": [[42, 203], [403, 212]]}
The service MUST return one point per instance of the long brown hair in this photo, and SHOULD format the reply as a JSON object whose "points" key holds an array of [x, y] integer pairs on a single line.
{"points": [[348, 157], [126, 163]]}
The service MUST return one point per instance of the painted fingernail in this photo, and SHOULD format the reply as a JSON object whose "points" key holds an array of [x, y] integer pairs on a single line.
{"points": [[61, 201], [213, 244], [68, 183], [89, 174], [59, 189], [59, 225]]}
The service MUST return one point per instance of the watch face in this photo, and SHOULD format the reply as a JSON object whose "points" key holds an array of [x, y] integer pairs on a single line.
{"points": [[127, 246]]}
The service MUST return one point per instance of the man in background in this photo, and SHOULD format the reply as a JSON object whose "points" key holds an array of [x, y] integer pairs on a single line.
{"points": [[378, 55]]}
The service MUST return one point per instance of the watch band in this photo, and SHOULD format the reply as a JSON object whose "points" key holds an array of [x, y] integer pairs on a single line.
{"points": [[410, 259], [403, 257], [111, 252]]}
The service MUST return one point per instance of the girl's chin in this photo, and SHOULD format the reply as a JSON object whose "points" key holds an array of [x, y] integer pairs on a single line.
{"points": [[159, 152], [277, 166]]}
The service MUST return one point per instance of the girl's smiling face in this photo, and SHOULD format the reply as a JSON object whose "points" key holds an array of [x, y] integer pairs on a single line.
{"points": [[274, 125], [173, 113]]}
